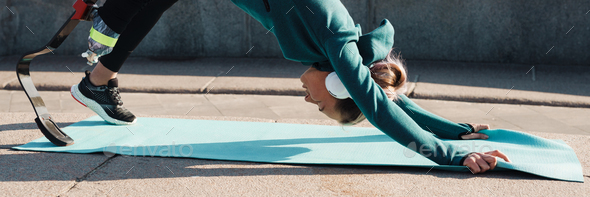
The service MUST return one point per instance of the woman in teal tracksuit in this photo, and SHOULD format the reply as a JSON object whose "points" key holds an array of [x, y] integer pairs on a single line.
{"points": [[322, 33]]}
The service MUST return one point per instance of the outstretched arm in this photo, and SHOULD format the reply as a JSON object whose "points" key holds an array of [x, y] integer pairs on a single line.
{"points": [[433, 123], [338, 35], [380, 111]]}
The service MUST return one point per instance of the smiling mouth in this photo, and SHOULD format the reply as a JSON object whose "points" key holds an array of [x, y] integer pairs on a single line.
{"points": [[307, 97]]}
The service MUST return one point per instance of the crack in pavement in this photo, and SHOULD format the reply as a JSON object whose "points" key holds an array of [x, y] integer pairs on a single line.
{"points": [[85, 176], [204, 87]]}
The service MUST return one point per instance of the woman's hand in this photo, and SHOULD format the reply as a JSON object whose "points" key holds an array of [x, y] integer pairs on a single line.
{"points": [[482, 162], [475, 135]]}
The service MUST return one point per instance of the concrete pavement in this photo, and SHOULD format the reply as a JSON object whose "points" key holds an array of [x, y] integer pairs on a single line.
{"points": [[194, 90], [54, 174]]}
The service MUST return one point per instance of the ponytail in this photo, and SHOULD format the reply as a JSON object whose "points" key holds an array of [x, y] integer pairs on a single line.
{"points": [[390, 74]]}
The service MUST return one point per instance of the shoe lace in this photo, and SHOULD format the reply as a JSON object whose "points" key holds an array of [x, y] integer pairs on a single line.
{"points": [[115, 96]]}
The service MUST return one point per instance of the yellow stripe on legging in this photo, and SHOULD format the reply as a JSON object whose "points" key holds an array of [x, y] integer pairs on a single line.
{"points": [[102, 39]]}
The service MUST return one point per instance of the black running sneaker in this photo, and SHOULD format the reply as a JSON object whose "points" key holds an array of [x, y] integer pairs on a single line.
{"points": [[103, 100]]}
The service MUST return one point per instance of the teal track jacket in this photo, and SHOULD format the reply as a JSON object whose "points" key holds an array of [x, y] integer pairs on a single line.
{"points": [[322, 31]]}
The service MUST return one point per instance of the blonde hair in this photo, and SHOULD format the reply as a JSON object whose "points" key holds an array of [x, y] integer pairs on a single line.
{"points": [[390, 74]]}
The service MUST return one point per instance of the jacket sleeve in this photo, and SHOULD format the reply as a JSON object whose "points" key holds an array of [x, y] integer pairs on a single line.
{"points": [[430, 122], [337, 35], [380, 111]]}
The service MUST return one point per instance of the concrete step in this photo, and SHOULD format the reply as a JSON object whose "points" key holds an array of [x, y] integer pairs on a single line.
{"points": [[471, 82]]}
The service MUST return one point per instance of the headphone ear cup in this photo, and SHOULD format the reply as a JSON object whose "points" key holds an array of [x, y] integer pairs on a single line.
{"points": [[335, 87]]}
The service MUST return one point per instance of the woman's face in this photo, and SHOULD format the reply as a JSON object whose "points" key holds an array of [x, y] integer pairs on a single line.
{"points": [[314, 82]]}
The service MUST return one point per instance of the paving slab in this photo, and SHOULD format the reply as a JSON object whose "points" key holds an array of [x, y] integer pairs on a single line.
{"points": [[20, 103], [426, 90], [62, 81], [505, 116], [501, 83], [152, 176], [163, 84], [191, 105], [34, 173], [570, 116], [5, 97], [256, 85], [569, 80], [7, 77], [241, 106]]}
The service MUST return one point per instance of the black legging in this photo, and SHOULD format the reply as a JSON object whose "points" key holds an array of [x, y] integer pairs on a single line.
{"points": [[133, 19]]}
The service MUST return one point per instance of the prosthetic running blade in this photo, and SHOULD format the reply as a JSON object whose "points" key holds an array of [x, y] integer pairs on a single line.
{"points": [[44, 121]]}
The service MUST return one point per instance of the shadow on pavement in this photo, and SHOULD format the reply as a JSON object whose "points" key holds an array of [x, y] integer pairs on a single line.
{"points": [[243, 67], [35, 166], [32, 125], [571, 80]]}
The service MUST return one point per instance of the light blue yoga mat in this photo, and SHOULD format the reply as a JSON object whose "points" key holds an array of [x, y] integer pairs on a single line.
{"points": [[301, 144]]}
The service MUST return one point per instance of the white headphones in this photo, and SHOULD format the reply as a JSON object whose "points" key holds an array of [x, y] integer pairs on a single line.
{"points": [[335, 87]]}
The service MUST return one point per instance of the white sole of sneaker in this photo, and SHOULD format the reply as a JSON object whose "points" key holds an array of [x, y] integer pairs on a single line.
{"points": [[94, 106]]}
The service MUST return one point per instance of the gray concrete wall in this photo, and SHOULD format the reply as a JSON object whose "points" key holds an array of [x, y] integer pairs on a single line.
{"points": [[449, 30]]}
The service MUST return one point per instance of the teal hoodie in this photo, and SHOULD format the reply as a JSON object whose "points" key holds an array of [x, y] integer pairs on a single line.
{"points": [[322, 32]]}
